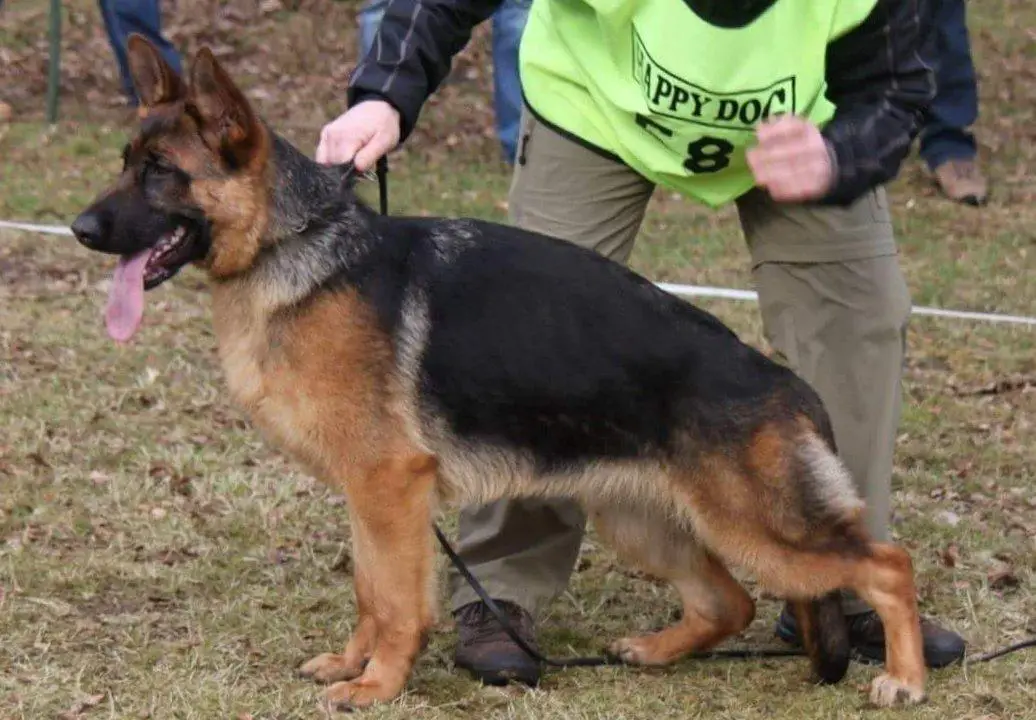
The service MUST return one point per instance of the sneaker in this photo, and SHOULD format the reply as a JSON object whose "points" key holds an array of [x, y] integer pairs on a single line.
{"points": [[867, 637], [486, 650], [961, 181]]}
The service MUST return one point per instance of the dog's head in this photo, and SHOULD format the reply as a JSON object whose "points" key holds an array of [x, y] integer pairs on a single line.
{"points": [[192, 186]]}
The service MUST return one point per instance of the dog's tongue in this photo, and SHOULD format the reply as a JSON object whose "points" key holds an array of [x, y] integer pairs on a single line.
{"points": [[126, 298]]}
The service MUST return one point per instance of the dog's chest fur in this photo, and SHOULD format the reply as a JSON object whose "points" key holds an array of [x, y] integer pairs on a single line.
{"points": [[241, 332], [316, 394]]}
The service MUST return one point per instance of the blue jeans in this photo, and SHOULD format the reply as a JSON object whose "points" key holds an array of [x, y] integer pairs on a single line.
{"points": [[123, 17], [508, 25], [955, 107]]}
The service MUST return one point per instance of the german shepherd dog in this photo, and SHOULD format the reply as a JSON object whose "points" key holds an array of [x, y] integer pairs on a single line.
{"points": [[409, 362]]}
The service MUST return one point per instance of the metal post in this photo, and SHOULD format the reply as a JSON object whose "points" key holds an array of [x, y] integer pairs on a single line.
{"points": [[54, 71]]}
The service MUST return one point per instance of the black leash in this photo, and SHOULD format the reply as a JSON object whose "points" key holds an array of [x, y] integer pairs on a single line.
{"points": [[994, 654], [501, 617], [381, 171]]}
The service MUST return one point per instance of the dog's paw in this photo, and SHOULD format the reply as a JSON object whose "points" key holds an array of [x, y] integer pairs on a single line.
{"points": [[330, 668], [636, 651], [346, 696], [887, 691]]}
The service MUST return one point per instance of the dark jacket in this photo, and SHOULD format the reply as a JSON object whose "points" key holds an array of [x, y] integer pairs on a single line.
{"points": [[880, 77]]}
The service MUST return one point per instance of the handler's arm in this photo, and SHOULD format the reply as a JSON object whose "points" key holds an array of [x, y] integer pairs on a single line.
{"points": [[412, 52], [880, 75]]}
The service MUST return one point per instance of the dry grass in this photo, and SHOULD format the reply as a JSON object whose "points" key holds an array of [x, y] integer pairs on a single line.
{"points": [[156, 560]]}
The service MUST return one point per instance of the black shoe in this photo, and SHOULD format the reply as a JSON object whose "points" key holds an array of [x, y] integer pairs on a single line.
{"points": [[488, 652], [867, 637]]}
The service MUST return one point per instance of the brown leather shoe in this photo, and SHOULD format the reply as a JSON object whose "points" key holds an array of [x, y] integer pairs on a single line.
{"points": [[961, 181], [488, 652]]}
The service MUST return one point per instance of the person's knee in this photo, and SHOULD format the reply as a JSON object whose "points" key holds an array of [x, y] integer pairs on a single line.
{"points": [[849, 304], [883, 303]]}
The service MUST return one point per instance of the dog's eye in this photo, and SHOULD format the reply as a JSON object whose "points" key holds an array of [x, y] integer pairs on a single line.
{"points": [[157, 167]]}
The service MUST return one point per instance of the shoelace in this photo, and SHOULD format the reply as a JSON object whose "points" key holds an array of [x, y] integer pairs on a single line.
{"points": [[484, 625]]}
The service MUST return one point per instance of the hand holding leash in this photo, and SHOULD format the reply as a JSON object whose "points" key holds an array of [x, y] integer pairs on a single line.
{"points": [[362, 135]]}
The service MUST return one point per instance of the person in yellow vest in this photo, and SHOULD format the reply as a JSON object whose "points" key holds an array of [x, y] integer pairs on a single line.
{"points": [[797, 111]]}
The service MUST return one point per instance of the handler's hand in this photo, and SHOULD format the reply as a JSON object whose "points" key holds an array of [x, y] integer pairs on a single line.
{"points": [[362, 134], [791, 160]]}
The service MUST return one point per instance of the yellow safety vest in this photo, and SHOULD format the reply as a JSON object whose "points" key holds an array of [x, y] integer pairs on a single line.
{"points": [[676, 98]]}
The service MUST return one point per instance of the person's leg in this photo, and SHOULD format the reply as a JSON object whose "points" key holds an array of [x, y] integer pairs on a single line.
{"points": [[117, 40], [835, 307], [946, 144], [368, 19], [523, 551], [125, 17], [508, 25]]}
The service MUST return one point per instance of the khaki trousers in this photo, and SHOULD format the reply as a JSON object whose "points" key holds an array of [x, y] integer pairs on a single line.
{"points": [[834, 304]]}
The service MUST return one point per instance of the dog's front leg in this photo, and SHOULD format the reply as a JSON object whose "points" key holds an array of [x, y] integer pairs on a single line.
{"points": [[391, 512], [334, 667]]}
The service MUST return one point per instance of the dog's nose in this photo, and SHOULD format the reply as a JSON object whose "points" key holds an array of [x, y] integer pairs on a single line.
{"points": [[87, 229]]}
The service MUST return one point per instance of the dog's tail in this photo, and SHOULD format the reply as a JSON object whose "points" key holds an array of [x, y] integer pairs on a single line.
{"points": [[836, 506], [824, 634]]}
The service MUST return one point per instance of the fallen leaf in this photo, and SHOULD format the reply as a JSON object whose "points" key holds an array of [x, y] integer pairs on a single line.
{"points": [[181, 485], [1003, 578], [82, 706], [38, 459], [950, 556]]}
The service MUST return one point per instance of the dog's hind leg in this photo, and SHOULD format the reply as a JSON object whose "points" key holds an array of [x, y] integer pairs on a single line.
{"points": [[885, 581], [836, 554], [391, 512], [879, 573], [715, 606]]}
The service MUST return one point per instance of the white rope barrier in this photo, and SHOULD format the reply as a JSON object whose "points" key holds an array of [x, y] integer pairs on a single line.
{"points": [[675, 289]]}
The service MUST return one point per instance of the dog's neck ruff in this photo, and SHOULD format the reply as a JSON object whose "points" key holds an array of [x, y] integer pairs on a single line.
{"points": [[316, 228]]}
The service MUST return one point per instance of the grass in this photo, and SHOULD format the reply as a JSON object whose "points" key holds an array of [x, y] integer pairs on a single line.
{"points": [[158, 561]]}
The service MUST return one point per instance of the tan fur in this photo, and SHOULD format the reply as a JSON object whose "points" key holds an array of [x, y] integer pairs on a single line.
{"points": [[715, 606], [316, 394], [238, 237], [326, 398], [767, 454]]}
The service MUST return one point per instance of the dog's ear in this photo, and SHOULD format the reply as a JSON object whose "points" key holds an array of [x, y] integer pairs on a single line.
{"points": [[229, 124], [154, 79]]}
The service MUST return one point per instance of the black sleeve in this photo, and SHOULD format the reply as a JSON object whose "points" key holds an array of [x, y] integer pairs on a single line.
{"points": [[412, 52], [881, 77]]}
